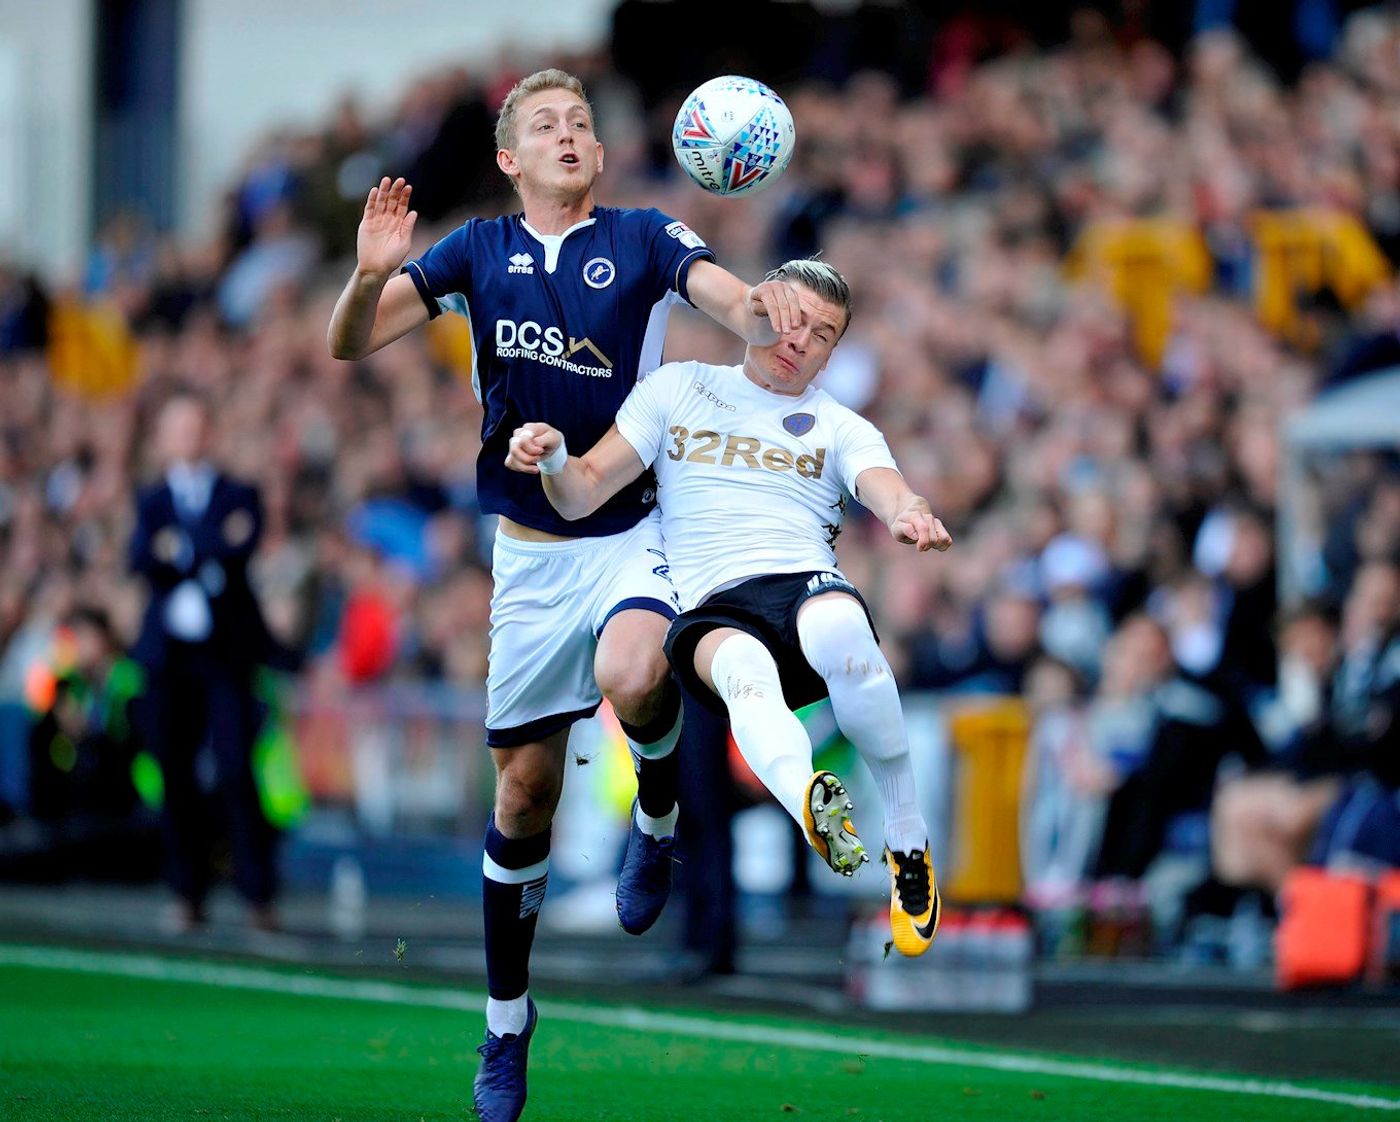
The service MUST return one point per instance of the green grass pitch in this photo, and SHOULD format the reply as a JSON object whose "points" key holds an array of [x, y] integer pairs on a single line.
{"points": [[113, 1037]]}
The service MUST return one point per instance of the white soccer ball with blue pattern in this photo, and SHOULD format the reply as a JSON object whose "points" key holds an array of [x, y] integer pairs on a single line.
{"points": [[733, 136]]}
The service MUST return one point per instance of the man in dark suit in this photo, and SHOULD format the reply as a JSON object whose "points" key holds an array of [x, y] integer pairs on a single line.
{"points": [[201, 640]]}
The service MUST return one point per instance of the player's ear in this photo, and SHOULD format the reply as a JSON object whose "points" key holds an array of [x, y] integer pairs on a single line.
{"points": [[600, 158], [505, 160]]}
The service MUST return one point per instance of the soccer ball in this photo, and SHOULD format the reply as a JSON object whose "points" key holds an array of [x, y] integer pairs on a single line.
{"points": [[733, 136]]}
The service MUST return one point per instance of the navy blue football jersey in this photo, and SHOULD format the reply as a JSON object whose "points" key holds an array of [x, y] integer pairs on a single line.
{"points": [[563, 326]]}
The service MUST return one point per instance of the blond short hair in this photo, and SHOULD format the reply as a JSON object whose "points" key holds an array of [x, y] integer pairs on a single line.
{"points": [[821, 278], [550, 79]]}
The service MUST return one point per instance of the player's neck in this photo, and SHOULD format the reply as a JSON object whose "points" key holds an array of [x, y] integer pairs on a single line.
{"points": [[554, 214]]}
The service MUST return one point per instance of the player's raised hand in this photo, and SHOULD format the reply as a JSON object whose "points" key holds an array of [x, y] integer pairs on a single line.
{"points": [[916, 526], [778, 302], [386, 230], [530, 444]]}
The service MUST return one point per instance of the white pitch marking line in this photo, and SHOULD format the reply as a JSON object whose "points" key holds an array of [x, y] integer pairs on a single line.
{"points": [[231, 976]]}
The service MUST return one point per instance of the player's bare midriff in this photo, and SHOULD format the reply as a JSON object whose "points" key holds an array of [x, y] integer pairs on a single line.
{"points": [[513, 529]]}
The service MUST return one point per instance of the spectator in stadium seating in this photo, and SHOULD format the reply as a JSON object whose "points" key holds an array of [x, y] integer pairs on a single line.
{"points": [[1164, 737], [122, 257], [83, 751], [1066, 782], [83, 742], [24, 312], [1374, 350], [1248, 582], [1337, 803], [201, 639], [1288, 35], [1076, 624], [277, 256], [369, 622], [1363, 521], [1003, 646]]}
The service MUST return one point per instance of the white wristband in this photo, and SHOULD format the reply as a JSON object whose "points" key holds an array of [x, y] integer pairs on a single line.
{"points": [[554, 463]]}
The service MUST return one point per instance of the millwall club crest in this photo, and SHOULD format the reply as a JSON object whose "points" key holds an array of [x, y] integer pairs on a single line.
{"points": [[799, 424], [599, 273]]}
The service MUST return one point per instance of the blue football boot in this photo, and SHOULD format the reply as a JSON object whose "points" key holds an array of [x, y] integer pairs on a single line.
{"points": [[645, 880], [499, 1090]]}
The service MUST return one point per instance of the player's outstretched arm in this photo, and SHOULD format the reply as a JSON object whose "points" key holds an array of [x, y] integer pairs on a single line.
{"points": [[907, 515], [378, 307], [575, 485], [758, 314]]}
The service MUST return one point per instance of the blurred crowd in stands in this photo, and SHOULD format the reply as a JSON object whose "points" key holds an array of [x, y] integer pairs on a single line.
{"points": [[1092, 280]]}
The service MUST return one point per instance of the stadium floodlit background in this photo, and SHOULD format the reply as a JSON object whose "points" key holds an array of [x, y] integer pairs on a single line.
{"points": [[1126, 309]]}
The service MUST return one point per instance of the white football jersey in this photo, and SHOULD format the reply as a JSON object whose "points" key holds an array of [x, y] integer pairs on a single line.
{"points": [[750, 482]]}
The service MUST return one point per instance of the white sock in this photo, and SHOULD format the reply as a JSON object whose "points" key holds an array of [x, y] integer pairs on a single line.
{"points": [[657, 827], [836, 639], [658, 749], [770, 738], [646, 761], [507, 1017]]}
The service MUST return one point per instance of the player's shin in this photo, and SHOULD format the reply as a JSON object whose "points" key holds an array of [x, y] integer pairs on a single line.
{"points": [[837, 641], [515, 872], [644, 881], [653, 748]]}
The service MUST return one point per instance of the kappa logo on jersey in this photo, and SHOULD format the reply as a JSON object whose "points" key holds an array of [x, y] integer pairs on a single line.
{"points": [[799, 424], [704, 392], [521, 263], [548, 345], [599, 273], [685, 235], [746, 451], [833, 528]]}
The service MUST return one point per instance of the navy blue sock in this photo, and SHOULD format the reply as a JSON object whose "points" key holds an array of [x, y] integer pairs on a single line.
{"points": [[514, 872], [654, 755]]}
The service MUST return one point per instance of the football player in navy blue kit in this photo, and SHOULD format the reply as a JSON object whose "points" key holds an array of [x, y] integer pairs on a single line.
{"points": [[567, 303]]}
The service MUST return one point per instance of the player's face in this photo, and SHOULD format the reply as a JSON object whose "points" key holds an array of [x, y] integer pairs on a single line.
{"points": [[555, 149], [789, 365]]}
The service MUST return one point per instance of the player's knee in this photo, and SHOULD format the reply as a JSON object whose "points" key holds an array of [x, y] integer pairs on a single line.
{"points": [[635, 688], [837, 640], [743, 670], [526, 793]]}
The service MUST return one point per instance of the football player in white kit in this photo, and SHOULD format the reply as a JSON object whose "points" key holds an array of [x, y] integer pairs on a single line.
{"points": [[753, 467]]}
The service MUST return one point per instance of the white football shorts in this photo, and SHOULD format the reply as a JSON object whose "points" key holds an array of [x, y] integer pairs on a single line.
{"points": [[548, 608]]}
